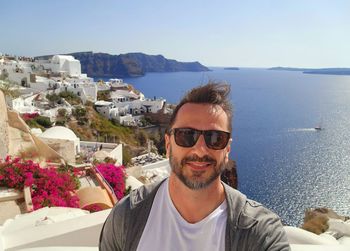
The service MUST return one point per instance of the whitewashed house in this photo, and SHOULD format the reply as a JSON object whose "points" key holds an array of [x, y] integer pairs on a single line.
{"points": [[65, 64], [123, 96], [85, 91], [127, 107], [117, 84], [104, 108], [16, 71]]}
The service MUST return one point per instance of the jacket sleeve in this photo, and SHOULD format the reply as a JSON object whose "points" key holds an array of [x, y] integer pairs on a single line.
{"points": [[261, 230], [112, 236], [274, 237]]}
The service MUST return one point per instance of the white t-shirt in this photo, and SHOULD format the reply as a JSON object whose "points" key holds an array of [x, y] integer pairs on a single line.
{"points": [[167, 230]]}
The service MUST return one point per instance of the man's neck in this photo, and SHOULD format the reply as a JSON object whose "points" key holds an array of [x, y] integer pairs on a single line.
{"points": [[195, 205]]}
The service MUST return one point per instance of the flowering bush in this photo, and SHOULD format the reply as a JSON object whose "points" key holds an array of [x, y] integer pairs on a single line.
{"points": [[48, 186], [93, 208], [115, 176], [29, 116]]}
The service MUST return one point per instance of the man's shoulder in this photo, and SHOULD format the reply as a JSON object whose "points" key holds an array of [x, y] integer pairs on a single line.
{"points": [[258, 227], [255, 213], [246, 212]]}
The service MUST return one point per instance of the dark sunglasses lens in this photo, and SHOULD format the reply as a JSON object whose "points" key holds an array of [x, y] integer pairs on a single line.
{"points": [[216, 139], [185, 137]]}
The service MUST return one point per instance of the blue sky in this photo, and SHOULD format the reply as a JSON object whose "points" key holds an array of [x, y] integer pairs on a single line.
{"points": [[256, 33]]}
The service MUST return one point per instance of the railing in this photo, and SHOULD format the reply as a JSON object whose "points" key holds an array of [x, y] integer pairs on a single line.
{"points": [[112, 194]]}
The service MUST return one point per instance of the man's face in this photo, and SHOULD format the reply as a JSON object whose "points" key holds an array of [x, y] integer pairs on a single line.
{"points": [[198, 166]]}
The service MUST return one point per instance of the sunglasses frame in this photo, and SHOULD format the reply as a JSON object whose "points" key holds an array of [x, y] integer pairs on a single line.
{"points": [[200, 132]]}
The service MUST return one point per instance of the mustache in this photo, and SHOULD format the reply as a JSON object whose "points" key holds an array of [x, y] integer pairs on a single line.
{"points": [[196, 158]]}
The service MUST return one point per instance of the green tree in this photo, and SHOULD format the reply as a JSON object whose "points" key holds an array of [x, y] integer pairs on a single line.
{"points": [[53, 98], [80, 114], [62, 112]]}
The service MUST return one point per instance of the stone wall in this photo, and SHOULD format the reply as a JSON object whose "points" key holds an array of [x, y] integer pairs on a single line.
{"points": [[16, 137], [4, 132]]}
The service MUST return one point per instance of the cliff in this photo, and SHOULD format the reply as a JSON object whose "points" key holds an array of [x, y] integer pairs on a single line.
{"points": [[129, 65]]}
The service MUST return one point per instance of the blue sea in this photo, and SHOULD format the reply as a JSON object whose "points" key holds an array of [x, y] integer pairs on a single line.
{"points": [[282, 161]]}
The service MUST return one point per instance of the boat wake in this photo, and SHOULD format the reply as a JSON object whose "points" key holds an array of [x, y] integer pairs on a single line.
{"points": [[302, 130]]}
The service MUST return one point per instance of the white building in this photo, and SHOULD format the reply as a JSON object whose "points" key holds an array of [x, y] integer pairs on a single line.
{"points": [[126, 107], [66, 64], [117, 84], [104, 108], [86, 91], [124, 96], [17, 71], [111, 150], [137, 107], [63, 141]]}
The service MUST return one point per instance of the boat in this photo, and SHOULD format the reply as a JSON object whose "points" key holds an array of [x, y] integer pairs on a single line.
{"points": [[318, 128]]}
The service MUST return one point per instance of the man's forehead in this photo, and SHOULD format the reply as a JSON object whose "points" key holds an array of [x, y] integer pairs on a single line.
{"points": [[211, 109], [202, 116]]}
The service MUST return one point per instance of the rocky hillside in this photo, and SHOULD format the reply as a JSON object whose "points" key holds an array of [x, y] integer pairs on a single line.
{"points": [[130, 64]]}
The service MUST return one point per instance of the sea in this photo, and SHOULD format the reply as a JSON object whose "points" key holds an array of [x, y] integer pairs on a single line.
{"points": [[282, 161]]}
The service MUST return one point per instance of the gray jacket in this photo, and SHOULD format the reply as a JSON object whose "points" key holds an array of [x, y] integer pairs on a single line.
{"points": [[250, 226]]}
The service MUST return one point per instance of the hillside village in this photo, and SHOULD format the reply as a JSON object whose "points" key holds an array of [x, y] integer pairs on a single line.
{"points": [[62, 74], [52, 94]]}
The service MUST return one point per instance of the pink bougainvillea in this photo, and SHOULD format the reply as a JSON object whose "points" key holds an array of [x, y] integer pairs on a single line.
{"points": [[29, 116], [115, 176], [48, 186], [93, 208]]}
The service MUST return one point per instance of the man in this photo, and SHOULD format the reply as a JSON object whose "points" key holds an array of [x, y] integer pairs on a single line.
{"points": [[192, 209]]}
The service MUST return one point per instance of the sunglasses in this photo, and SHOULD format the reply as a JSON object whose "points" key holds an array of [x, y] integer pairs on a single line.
{"points": [[188, 137]]}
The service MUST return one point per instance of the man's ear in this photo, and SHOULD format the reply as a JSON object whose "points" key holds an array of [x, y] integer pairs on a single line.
{"points": [[167, 144], [228, 149]]}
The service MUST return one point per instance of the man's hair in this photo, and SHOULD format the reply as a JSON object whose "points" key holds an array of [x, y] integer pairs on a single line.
{"points": [[212, 93]]}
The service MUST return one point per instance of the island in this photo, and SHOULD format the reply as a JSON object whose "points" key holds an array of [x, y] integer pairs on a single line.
{"points": [[326, 71], [231, 68]]}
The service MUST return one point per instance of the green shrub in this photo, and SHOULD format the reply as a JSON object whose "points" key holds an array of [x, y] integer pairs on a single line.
{"points": [[70, 97], [43, 121], [60, 123], [80, 114], [103, 95], [62, 112], [53, 98]]}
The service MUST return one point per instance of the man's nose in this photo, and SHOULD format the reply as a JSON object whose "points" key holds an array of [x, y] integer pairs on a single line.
{"points": [[200, 148]]}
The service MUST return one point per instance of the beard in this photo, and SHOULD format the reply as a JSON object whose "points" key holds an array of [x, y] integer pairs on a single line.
{"points": [[196, 180]]}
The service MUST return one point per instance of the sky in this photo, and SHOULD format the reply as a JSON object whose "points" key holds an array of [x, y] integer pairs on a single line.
{"points": [[250, 33]]}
